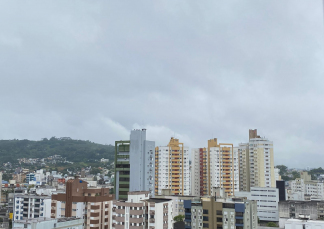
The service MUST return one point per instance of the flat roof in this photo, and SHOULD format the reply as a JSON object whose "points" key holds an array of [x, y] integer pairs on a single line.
{"points": [[157, 200]]}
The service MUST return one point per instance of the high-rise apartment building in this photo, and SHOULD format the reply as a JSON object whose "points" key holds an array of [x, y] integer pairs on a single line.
{"points": [[172, 168], [215, 166], [256, 163], [135, 166]]}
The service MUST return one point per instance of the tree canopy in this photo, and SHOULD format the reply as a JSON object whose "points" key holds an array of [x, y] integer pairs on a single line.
{"points": [[179, 218], [72, 150]]}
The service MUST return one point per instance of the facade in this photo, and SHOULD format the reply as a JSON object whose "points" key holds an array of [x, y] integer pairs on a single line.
{"points": [[94, 205], [197, 172], [142, 162], [227, 214], [172, 168], [131, 214], [267, 202], [122, 169], [257, 166], [244, 167], [28, 206], [280, 185], [215, 166], [48, 223]]}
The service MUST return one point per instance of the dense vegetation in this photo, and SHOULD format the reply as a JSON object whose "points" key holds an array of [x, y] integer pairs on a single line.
{"points": [[72, 150], [292, 175]]}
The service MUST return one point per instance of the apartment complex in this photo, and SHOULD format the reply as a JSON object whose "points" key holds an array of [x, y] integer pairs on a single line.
{"points": [[215, 166], [208, 212], [29, 206], [94, 205], [141, 211], [304, 188], [135, 164], [267, 202], [172, 168], [256, 163]]}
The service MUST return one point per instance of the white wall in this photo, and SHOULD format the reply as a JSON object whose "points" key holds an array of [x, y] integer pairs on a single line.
{"points": [[299, 224], [267, 202]]}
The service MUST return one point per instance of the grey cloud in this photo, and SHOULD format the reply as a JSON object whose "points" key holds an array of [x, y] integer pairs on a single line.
{"points": [[95, 70]]}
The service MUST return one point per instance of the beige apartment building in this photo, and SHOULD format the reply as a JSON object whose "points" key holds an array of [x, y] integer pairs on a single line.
{"points": [[256, 163], [94, 205]]}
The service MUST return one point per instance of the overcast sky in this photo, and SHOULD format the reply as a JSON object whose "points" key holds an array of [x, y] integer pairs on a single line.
{"points": [[195, 70]]}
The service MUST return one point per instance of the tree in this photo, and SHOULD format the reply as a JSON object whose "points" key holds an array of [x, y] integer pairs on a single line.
{"points": [[283, 169], [271, 224], [285, 178], [295, 174], [95, 171], [179, 218]]}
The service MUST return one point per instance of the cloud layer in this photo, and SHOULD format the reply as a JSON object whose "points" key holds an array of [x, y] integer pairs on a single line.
{"points": [[193, 70]]}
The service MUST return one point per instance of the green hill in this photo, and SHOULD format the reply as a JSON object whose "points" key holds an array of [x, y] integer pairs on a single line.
{"points": [[72, 150]]}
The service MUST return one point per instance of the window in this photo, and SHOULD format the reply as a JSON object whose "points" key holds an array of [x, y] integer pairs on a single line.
{"points": [[205, 211]]}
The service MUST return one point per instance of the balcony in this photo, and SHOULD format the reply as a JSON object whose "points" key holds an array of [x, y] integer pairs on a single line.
{"points": [[152, 220]]}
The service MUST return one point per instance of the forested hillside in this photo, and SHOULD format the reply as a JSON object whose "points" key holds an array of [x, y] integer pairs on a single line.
{"points": [[72, 150]]}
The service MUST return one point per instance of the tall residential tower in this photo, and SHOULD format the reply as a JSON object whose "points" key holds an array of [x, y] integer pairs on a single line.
{"points": [[215, 166], [257, 163], [172, 168]]}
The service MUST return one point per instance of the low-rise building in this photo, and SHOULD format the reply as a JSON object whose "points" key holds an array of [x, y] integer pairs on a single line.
{"points": [[267, 202], [209, 212], [30, 206], [48, 223], [141, 211], [294, 209]]}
